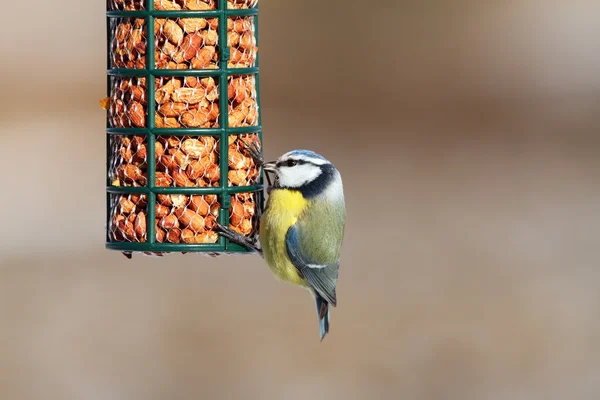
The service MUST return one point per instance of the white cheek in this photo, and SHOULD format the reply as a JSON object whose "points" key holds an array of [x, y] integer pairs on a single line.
{"points": [[298, 175]]}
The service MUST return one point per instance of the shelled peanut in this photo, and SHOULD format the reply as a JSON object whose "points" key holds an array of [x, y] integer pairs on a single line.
{"points": [[186, 102], [183, 43]]}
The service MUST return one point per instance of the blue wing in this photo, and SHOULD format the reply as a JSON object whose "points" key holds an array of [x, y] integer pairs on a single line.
{"points": [[321, 276]]}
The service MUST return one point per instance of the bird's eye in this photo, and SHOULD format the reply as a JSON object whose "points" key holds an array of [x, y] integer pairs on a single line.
{"points": [[291, 163]]}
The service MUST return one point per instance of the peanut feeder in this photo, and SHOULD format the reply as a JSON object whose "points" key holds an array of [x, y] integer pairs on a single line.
{"points": [[182, 106]]}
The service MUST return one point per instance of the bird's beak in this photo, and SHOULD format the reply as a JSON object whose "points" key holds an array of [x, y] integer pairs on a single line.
{"points": [[270, 166]]}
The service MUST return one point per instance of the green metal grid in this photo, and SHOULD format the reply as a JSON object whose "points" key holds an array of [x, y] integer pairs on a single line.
{"points": [[224, 191]]}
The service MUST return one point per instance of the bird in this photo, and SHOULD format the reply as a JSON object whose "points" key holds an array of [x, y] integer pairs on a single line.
{"points": [[302, 227]]}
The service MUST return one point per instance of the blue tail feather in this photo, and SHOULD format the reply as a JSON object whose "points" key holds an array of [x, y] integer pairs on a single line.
{"points": [[322, 315]]}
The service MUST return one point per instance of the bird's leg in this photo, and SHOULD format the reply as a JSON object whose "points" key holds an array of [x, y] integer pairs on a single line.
{"points": [[237, 238]]}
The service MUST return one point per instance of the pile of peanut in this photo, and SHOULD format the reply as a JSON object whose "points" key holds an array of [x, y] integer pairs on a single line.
{"points": [[181, 161], [133, 5], [186, 102], [179, 218], [182, 43]]}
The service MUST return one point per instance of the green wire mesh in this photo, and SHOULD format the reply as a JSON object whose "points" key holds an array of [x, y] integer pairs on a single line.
{"points": [[182, 75]]}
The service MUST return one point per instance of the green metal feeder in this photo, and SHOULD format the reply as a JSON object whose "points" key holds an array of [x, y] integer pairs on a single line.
{"points": [[183, 87]]}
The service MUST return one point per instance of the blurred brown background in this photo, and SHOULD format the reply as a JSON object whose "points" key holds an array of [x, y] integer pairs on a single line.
{"points": [[468, 137]]}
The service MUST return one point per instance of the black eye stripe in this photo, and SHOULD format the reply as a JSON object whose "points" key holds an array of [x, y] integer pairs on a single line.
{"points": [[291, 163]]}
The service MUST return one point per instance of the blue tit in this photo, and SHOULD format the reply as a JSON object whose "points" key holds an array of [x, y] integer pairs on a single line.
{"points": [[302, 227]]}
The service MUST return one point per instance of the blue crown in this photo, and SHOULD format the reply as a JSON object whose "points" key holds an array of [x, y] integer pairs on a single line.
{"points": [[307, 153]]}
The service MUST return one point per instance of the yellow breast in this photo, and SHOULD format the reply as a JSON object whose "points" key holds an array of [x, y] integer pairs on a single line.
{"points": [[282, 211]]}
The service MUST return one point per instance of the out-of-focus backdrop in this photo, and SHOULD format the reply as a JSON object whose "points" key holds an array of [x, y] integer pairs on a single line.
{"points": [[468, 137]]}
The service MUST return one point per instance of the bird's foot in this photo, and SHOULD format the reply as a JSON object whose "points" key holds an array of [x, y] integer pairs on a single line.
{"points": [[258, 157], [255, 152], [237, 238]]}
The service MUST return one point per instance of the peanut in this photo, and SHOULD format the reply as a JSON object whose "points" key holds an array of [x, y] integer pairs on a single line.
{"points": [[182, 159], [168, 5], [162, 211], [139, 200], [246, 227], [207, 237], [202, 58], [197, 168], [126, 155], [169, 222], [179, 200], [188, 95], [210, 37], [198, 5], [247, 41], [199, 205], [241, 3], [192, 25], [159, 150], [127, 206], [195, 148], [135, 112], [237, 161], [237, 177], [165, 122], [160, 234], [189, 219], [188, 236], [195, 118], [172, 109], [190, 46], [236, 212], [164, 92], [174, 235], [213, 173], [173, 32], [163, 180], [140, 226], [174, 200], [181, 179]]}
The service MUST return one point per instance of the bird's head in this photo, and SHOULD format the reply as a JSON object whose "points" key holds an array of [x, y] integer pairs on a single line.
{"points": [[308, 172]]}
